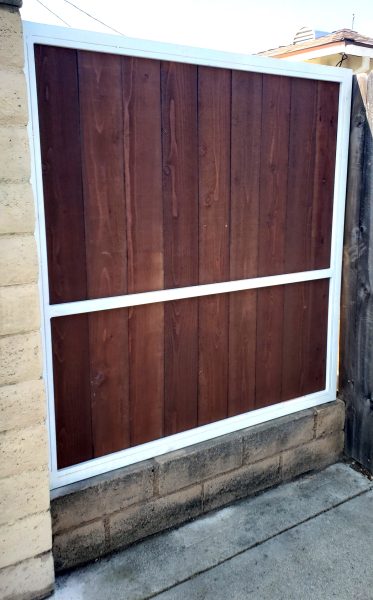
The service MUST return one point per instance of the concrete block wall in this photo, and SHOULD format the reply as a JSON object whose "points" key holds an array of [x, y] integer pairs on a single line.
{"points": [[111, 511], [26, 564]]}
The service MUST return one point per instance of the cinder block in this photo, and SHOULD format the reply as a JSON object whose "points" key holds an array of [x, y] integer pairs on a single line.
{"points": [[11, 41], [17, 209], [29, 579], [19, 309], [23, 450], [18, 260], [241, 483], [271, 438], [80, 545], [13, 100], [194, 464], [330, 418], [313, 456], [102, 495], [22, 405], [138, 522], [20, 358], [23, 495], [15, 162], [25, 538]]}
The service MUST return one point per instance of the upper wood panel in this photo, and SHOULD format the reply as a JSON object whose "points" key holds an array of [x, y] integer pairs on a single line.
{"points": [[159, 175]]}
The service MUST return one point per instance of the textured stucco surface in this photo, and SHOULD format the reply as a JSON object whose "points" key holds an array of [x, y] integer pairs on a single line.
{"points": [[26, 565]]}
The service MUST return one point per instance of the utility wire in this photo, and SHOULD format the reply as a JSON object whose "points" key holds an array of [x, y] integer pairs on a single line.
{"points": [[53, 13], [92, 17]]}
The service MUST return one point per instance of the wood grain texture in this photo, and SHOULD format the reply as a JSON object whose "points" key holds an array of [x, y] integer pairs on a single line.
{"points": [[101, 118], [72, 394], [242, 350], [323, 188], [108, 353], [302, 151], [273, 174], [146, 380], [143, 175], [181, 366], [269, 336], [144, 209], [356, 380], [214, 114], [180, 213], [244, 226], [58, 103]]}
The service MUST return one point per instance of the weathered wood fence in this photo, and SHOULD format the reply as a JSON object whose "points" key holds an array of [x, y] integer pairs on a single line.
{"points": [[356, 356]]}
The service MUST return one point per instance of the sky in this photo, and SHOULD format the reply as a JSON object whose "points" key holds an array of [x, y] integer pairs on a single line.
{"points": [[235, 25]]}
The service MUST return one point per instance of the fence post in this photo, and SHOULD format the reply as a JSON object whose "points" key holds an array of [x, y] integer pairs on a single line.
{"points": [[356, 349]]}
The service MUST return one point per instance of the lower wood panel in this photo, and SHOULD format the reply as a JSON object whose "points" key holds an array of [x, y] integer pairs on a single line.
{"points": [[129, 376]]}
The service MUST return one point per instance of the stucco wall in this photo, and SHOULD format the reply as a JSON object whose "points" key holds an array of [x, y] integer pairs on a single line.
{"points": [[26, 566]]}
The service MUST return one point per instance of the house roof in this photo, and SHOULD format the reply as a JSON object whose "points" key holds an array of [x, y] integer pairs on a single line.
{"points": [[347, 36]]}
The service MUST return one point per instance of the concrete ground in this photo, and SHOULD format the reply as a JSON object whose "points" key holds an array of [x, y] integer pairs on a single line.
{"points": [[309, 539]]}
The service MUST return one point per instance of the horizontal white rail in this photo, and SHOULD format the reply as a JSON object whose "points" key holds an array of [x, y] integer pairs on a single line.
{"points": [[194, 291]]}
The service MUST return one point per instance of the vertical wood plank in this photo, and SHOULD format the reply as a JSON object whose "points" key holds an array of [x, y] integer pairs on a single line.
{"points": [[272, 216], [296, 351], [323, 189], [214, 111], [269, 331], [101, 116], [273, 174], [242, 349], [143, 192], [298, 226], [108, 336], [180, 198], [57, 86], [72, 395], [356, 306], [315, 339], [245, 165], [100, 91]]}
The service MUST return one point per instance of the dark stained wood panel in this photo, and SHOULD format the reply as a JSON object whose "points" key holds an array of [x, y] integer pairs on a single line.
{"points": [[101, 118], [58, 102], [146, 379], [213, 358], [181, 366], [245, 169], [144, 209], [180, 173], [214, 119], [269, 335], [72, 397], [244, 226], [180, 213], [302, 147], [273, 173], [242, 351], [315, 341], [143, 173], [108, 352], [325, 155]]}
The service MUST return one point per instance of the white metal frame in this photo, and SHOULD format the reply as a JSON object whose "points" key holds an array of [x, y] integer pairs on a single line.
{"points": [[58, 36]]}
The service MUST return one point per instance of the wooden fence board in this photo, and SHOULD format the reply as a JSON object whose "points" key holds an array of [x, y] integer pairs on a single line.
{"points": [[356, 357], [72, 394], [326, 139], [58, 95], [214, 114], [180, 206]]}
